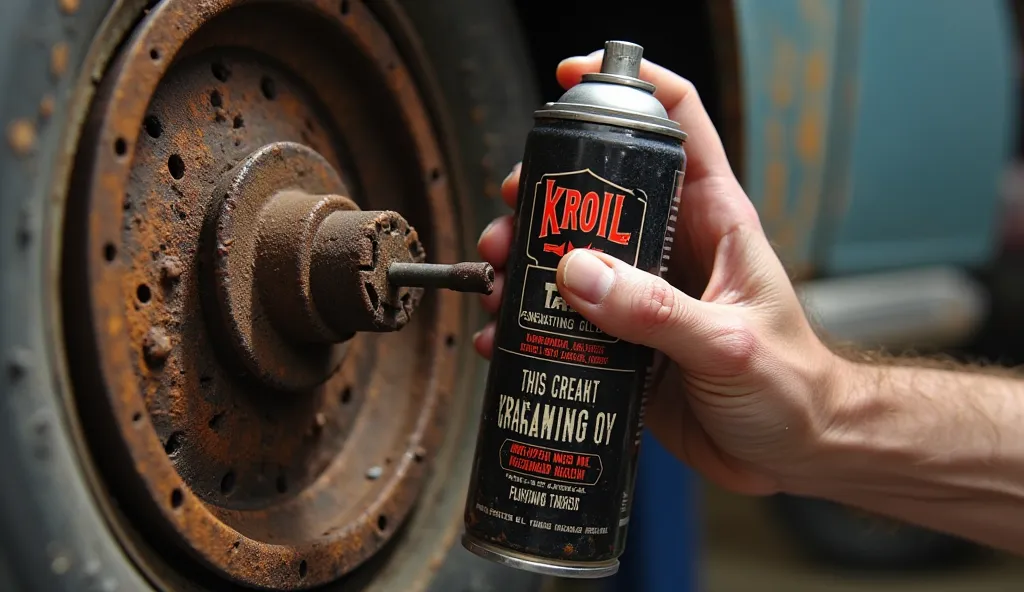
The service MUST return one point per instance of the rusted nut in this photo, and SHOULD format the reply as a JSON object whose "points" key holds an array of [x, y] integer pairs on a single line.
{"points": [[349, 271], [156, 346]]}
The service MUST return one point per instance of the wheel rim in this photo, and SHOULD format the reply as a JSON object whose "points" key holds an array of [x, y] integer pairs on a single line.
{"points": [[265, 488]]}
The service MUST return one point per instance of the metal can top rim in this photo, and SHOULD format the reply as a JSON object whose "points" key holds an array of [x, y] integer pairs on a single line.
{"points": [[610, 116]]}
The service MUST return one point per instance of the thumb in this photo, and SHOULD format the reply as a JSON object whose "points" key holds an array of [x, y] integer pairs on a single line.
{"points": [[636, 306]]}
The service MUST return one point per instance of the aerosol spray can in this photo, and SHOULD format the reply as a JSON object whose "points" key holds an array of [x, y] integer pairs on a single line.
{"points": [[557, 449]]}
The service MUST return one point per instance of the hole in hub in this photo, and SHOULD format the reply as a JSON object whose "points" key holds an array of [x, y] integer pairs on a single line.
{"points": [[220, 71], [371, 293], [153, 126], [227, 483], [176, 166], [269, 88], [173, 444]]}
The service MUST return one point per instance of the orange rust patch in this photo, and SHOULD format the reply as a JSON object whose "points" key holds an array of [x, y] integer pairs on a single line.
{"points": [[46, 106], [808, 135], [815, 71], [775, 188], [786, 57], [59, 59], [21, 135]]}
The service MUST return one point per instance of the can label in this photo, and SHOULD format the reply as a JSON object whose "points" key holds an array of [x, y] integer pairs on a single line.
{"points": [[562, 418], [573, 210]]}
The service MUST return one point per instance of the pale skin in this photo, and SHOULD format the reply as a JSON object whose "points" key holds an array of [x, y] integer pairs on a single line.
{"points": [[754, 400]]}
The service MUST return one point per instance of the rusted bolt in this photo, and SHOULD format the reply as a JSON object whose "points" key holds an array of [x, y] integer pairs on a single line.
{"points": [[156, 345], [460, 277], [68, 6]]}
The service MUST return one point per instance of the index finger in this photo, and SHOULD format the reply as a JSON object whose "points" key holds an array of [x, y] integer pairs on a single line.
{"points": [[705, 153]]}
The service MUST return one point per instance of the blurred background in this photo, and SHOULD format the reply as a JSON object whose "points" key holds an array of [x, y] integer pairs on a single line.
{"points": [[879, 139]]}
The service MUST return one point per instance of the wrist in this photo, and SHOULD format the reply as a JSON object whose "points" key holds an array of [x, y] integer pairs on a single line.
{"points": [[843, 400]]}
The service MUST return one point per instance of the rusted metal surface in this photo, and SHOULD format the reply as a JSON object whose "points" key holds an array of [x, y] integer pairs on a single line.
{"points": [[265, 490], [462, 277]]}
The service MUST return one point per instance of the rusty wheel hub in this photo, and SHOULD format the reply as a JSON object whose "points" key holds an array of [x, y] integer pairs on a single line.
{"points": [[298, 269], [239, 176]]}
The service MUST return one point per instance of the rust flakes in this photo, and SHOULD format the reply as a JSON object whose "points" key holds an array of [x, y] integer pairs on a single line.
{"points": [[170, 269], [59, 59], [68, 6], [156, 345], [21, 135]]}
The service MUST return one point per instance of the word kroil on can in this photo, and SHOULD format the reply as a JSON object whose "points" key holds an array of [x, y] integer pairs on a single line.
{"points": [[556, 454]]}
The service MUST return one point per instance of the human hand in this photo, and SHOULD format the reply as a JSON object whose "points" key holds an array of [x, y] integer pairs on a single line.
{"points": [[748, 394]]}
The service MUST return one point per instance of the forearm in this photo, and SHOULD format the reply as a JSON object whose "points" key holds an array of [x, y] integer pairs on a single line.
{"points": [[940, 448]]}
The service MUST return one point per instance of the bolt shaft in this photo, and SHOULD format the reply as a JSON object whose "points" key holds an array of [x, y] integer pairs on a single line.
{"points": [[460, 277]]}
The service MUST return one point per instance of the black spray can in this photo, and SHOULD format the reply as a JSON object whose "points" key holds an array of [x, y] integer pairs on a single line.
{"points": [[556, 454]]}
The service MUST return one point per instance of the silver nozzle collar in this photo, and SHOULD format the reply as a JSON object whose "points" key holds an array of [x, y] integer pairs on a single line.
{"points": [[615, 95]]}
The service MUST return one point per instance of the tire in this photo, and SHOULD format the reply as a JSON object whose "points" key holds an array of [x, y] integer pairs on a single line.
{"points": [[55, 535], [834, 534]]}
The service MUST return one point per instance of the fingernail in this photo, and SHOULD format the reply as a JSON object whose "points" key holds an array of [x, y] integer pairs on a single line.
{"points": [[587, 276], [486, 228], [515, 169]]}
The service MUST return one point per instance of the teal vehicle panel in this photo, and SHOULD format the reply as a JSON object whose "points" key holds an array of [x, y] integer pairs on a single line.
{"points": [[789, 53], [934, 134], [876, 132]]}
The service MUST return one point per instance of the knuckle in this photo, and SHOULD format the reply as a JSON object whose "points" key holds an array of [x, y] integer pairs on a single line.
{"points": [[655, 305], [737, 345], [689, 89]]}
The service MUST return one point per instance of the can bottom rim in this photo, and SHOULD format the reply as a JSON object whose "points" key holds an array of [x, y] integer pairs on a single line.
{"points": [[548, 567]]}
